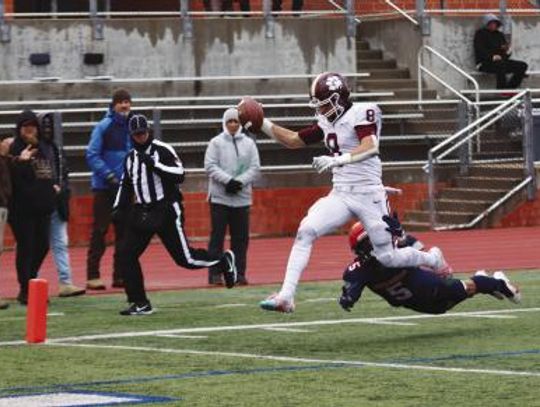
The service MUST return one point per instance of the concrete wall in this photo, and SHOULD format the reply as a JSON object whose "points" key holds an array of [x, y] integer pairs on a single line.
{"points": [[398, 39], [454, 38], [157, 47]]}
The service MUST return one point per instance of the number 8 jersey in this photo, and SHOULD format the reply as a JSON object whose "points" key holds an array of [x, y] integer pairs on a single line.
{"points": [[343, 136]]}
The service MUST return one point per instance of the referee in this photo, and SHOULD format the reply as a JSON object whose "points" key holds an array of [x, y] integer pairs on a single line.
{"points": [[150, 198]]}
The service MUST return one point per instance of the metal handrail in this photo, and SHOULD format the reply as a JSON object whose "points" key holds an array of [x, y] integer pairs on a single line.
{"points": [[57, 80], [286, 119], [177, 99], [471, 131], [490, 209], [76, 14], [477, 123], [422, 68], [402, 12], [84, 174]]}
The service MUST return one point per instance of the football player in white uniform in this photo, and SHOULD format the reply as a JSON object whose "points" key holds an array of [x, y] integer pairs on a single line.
{"points": [[351, 133]]}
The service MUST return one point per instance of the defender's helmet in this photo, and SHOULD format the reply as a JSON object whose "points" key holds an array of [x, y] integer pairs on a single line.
{"points": [[359, 242], [329, 95]]}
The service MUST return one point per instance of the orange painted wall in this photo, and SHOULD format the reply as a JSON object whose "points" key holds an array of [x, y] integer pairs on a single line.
{"points": [[526, 214], [276, 211]]}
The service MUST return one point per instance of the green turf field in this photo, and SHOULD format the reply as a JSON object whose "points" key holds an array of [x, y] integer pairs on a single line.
{"points": [[216, 348]]}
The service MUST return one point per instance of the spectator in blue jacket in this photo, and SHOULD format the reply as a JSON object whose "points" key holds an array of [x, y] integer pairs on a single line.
{"points": [[108, 147]]}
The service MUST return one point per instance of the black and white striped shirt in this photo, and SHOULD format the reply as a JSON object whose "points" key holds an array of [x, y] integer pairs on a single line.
{"points": [[150, 185]]}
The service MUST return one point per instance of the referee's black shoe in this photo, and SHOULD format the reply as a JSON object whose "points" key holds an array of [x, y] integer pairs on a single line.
{"points": [[230, 274], [138, 309]]}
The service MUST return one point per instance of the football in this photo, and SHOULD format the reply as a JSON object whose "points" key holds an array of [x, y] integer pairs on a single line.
{"points": [[250, 113]]}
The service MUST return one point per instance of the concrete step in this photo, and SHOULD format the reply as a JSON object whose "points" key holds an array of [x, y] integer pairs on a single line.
{"points": [[364, 65], [418, 126], [489, 155], [412, 94], [362, 45], [511, 170], [389, 73], [448, 205], [486, 182], [472, 194], [386, 84], [369, 54], [442, 217]]}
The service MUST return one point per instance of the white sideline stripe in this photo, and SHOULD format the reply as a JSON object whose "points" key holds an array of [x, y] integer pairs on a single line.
{"points": [[333, 299], [51, 314], [413, 317], [182, 336], [305, 360], [491, 316], [230, 305], [375, 322], [288, 330]]}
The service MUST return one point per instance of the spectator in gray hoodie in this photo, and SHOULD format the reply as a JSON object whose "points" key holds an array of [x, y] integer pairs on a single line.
{"points": [[232, 163]]}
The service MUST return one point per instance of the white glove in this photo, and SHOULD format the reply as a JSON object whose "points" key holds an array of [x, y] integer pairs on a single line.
{"points": [[325, 162]]}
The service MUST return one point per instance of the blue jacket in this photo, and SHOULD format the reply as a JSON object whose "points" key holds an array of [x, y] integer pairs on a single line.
{"points": [[109, 144]]}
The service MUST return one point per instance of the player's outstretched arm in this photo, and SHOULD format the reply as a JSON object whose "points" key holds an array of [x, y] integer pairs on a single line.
{"points": [[288, 138]]}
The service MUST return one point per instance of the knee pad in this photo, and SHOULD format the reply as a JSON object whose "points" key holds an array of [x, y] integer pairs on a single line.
{"points": [[386, 258], [306, 234]]}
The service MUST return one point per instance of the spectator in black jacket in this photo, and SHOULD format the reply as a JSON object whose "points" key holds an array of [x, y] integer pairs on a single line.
{"points": [[60, 216], [33, 200], [492, 53]]}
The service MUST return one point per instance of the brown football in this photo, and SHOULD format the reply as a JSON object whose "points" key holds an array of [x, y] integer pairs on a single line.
{"points": [[250, 113]]}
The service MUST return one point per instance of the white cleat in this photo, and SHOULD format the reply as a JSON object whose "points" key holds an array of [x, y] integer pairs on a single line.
{"points": [[274, 303], [442, 268], [510, 291], [495, 294]]}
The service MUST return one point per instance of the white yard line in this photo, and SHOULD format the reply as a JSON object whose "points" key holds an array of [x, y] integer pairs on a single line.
{"points": [[225, 328], [230, 305], [288, 330], [491, 316], [182, 336], [320, 300], [305, 360]]}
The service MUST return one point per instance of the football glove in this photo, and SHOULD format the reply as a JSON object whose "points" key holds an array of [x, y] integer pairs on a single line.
{"points": [[147, 160], [394, 226], [233, 186]]}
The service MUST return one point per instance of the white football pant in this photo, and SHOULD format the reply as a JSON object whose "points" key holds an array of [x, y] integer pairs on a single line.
{"points": [[343, 203]]}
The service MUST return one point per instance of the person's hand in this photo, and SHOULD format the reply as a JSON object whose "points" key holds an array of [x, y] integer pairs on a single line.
{"points": [[57, 188], [147, 160], [497, 58], [324, 163], [112, 181], [233, 186], [28, 153]]}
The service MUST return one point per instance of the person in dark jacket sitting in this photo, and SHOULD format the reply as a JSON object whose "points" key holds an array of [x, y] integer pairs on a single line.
{"points": [[33, 200], [492, 53], [108, 147]]}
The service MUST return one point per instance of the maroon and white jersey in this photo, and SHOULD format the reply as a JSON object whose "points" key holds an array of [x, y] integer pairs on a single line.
{"points": [[343, 136]]}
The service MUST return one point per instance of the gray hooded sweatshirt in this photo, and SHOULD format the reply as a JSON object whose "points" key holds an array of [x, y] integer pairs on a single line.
{"points": [[231, 156]]}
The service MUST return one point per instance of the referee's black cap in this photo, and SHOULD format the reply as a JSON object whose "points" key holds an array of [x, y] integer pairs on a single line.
{"points": [[137, 124]]}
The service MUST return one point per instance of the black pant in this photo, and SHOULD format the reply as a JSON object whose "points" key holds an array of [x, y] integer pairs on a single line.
{"points": [[296, 5], [227, 5], [237, 219], [504, 67], [32, 235], [175, 241], [103, 203]]}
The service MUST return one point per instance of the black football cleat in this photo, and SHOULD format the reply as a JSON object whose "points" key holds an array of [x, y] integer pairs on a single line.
{"points": [[230, 274], [138, 309]]}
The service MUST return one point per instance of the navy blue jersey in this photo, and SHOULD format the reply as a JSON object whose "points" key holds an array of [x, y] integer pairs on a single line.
{"points": [[413, 288]]}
